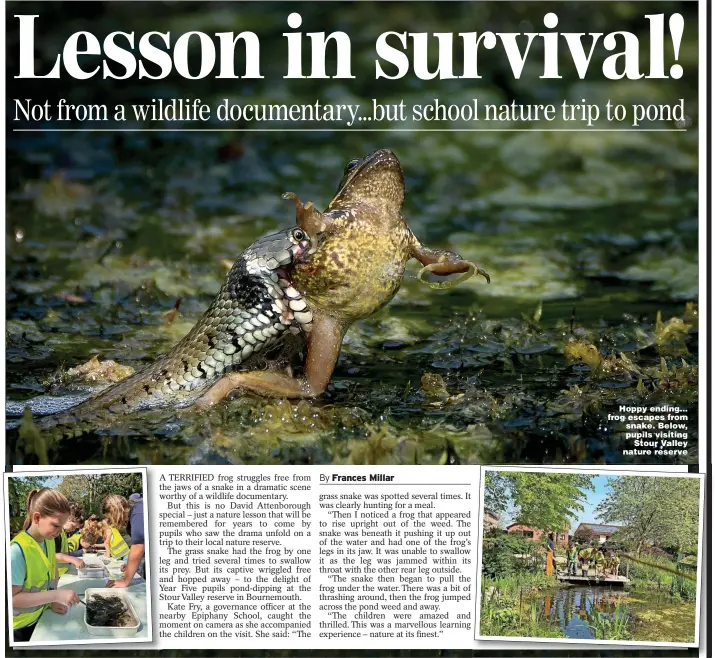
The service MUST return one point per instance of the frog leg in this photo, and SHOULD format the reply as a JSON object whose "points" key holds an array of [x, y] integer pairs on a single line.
{"points": [[324, 343], [440, 261], [307, 216]]}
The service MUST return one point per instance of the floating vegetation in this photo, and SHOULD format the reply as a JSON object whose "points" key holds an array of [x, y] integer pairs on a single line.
{"points": [[98, 371], [612, 365], [434, 387], [671, 336], [499, 389]]}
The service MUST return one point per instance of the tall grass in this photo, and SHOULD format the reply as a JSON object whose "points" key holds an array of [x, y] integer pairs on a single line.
{"points": [[650, 576], [511, 585], [509, 607], [683, 588], [499, 610]]}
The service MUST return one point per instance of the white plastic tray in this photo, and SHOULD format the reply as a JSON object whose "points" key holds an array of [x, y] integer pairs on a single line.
{"points": [[92, 572], [92, 560], [112, 631], [115, 572]]}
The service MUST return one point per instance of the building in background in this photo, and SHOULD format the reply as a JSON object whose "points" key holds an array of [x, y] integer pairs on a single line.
{"points": [[595, 531], [535, 535], [491, 521]]}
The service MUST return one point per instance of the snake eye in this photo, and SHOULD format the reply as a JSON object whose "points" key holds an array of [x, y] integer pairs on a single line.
{"points": [[299, 235], [351, 165]]}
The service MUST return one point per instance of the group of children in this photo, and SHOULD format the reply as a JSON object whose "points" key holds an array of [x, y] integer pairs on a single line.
{"points": [[604, 563], [54, 536]]}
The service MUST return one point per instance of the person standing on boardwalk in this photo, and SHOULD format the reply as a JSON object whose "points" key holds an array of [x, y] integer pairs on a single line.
{"points": [[614, 562], [571, 559], [600, 562], [550, 555], [585, 554]]}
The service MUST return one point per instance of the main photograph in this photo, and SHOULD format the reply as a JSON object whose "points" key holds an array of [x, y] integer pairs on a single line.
{"points": [[440, 292]]}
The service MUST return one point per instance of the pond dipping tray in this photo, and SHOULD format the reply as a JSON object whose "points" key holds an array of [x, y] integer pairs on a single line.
{"points": [[617, 581], [92, 571], [132, 622]]}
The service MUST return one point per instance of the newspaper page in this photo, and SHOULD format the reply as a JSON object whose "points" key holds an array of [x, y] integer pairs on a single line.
{"points": [[356, 326]]}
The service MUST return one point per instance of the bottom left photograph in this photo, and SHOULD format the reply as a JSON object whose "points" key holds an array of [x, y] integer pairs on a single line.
{"points": [[77, 557]]}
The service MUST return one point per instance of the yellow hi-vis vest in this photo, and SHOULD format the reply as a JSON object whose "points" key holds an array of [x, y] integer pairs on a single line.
{"points": [[73, 542], [118, 548], [64, 548], [40, 570]]}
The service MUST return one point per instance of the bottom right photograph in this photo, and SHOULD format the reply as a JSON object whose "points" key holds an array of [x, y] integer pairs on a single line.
{"points": [[588, 555]]}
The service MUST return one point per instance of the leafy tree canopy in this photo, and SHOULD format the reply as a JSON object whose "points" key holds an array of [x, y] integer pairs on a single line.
{"points": [[89, 490], [661, 511], [547, 501], [18, 488]]}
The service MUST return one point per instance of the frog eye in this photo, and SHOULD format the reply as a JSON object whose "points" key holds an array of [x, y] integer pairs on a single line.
{"points": [[351, 165], [299, 235]]}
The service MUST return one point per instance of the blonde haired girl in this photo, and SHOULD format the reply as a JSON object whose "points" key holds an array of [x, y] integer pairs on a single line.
{"points": [[92, 535], [116, 514], [34, 564]]}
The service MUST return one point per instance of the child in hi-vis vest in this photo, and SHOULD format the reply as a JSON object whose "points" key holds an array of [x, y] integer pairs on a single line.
{"points": [[67, 549], [73, 528], [33, 563], [116, 515]]}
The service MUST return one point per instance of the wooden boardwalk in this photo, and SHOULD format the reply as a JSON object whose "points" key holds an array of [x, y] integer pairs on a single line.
{"points": [[593, 579]]}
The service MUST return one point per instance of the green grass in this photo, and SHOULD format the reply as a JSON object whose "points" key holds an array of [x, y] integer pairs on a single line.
{"points": [[511, 607], [652, 576]]}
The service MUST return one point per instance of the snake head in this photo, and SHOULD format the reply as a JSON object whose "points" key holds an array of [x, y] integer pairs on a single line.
{"points": [[310, 219], [278, 250]]}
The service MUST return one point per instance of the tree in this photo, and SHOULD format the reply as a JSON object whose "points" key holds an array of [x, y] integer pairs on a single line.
{"points": [[583, 536], [547, 501], [653, 510], [496, 491], [17, 489], [89, 490]]}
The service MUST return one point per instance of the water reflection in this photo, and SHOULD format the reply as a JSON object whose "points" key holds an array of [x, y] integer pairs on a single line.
{"points": [[572, 607]]}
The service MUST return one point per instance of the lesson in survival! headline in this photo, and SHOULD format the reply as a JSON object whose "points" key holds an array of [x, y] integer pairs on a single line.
{"points": [[402, 51]]}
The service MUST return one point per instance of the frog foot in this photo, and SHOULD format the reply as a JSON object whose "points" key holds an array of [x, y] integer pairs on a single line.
{"points": [[311, 220], [448, 265], [466, 268], [443, 263]]}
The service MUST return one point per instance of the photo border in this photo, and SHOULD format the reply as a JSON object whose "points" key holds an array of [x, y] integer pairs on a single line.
{"points": [[591, 471], [49, 472]]}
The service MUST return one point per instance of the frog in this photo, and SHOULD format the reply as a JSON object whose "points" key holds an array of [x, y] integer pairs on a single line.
{"points": [[356, 270]]}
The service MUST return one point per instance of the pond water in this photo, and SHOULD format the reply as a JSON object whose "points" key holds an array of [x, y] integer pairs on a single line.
{"points": [[587, 237], [647, 615], [572, 608]]}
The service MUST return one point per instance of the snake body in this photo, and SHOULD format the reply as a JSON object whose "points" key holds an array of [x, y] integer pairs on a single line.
{"points": [[256, 307]]}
